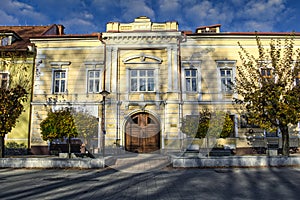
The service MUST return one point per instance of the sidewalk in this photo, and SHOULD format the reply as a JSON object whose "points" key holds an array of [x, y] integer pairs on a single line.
{"points": [[140, 163]]}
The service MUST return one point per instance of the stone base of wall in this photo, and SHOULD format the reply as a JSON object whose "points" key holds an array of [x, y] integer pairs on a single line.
{"points": [[236, 161], [81, 163], [39, 150]]}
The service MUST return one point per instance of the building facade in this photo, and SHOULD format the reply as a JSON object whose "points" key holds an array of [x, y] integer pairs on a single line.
{"points": [[18, 52], [153, 74]]}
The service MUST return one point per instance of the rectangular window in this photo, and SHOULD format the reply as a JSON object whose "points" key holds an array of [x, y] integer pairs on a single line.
{"points": [[141, 80], [266, 72], [94, 81], [191, 80], [59, 81], [297, 79], [4, 77], [226, 79]]}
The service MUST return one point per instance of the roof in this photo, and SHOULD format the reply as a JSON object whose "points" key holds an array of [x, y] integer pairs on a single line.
{"points": [[26, 32], [246, 34]]}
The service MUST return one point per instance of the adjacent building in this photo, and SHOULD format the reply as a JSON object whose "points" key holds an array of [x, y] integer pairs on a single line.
{"points": [[17, 51]]}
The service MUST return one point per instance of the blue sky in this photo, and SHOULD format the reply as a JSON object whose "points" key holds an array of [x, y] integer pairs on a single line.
{"points": [[88, 16]]}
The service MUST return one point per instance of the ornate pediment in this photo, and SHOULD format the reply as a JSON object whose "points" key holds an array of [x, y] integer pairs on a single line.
{"points": [[142, 59]]}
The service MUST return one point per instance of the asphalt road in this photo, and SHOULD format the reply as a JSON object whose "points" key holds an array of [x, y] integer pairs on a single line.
{"points": [[168, 183]]}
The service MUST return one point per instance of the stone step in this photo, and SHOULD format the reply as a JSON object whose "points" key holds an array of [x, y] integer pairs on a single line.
{"points": [[138, 163]]}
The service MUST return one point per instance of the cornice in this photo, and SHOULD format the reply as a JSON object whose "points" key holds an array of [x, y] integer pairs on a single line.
{"points": [[150, 37]]}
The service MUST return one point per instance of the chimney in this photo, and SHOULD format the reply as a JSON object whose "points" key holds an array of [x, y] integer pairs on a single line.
{"points": [[61, 29]]}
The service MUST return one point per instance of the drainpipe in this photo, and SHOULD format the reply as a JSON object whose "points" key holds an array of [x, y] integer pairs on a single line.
{"points": [[179, 40], [30, 97], [103, 97]]}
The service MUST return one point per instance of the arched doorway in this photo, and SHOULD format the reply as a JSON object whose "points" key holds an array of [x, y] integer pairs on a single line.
{"points": [[142, 133]]}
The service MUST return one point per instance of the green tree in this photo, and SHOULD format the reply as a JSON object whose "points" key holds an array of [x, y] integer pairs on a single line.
{"points": [[87, 126], [59, 124], [11, 107], [14, 90], [266, 86], [218, 124]]}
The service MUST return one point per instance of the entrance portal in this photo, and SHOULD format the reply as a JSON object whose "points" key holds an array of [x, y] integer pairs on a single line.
{"points": [[142, 133]]}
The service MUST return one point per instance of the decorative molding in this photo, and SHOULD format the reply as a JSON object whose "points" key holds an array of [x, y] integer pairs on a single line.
{"points": [[143, 59], [148, 37], [94, 63], [60, 63]]}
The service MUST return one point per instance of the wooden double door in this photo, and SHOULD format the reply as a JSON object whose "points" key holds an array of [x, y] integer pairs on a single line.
{"points": [[142, 133]]}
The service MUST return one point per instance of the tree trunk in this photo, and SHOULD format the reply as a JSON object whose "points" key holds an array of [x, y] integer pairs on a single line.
{"points": [[69, 147], [285, 140], [2, 148]]}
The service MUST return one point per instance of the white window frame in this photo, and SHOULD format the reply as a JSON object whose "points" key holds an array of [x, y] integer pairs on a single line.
{"points": [[191, 65], [226, 65], [267, 66], [140, 77], [94, 79], [60, 79]]}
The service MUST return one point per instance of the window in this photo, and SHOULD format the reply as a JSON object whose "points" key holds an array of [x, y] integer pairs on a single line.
{"points": [[4, 77], [59, 81], [265, 68], [4, 41], [266, 72], [297, 79], [94, 81], [141, 80], [226, 80], [227, 73], [191, 80], [191, 76]]}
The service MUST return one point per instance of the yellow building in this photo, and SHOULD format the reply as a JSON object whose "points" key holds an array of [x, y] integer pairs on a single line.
{"points": [[155, 76], [69, 73], [17, 51]]}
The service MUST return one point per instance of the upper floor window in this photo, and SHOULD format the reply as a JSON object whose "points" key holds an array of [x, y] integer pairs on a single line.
{"points": [[191, 80], [142, 80], [59, 81], [4, 41], [298, 79], [227, 73], [4, 77], [266, 72], [191, 76], [226, 80], [94, 81]]}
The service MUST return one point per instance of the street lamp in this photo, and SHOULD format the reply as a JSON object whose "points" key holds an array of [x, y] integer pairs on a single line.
{"points": [[104, 94]]}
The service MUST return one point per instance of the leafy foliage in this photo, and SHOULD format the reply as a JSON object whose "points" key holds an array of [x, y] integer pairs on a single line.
{"points": [[58, 124], [14, 145], [218, 124], [86, 124], [14, 93], [272, 101], [11, 107]]}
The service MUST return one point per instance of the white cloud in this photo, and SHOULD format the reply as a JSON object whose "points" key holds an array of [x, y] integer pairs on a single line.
{"points": [[259, 15], [236, 15], [169, 6], [168, 10], [6, 19], [134, 8], [262, 10], [208, 13], [17, 13], [78, 26]]}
